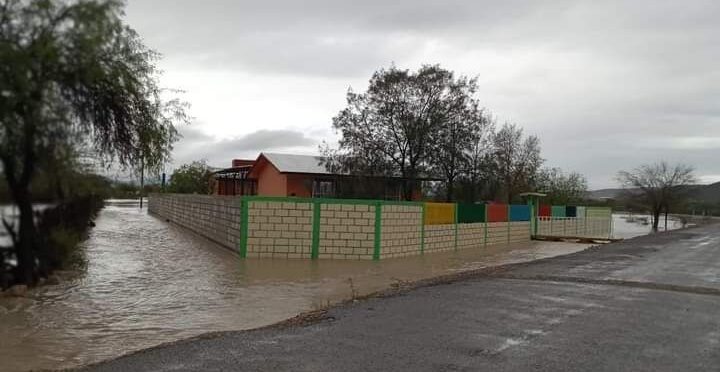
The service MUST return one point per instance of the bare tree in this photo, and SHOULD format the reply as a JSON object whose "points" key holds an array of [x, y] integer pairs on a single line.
{"points": [[517, 159], [660, 184], [560, 187]]}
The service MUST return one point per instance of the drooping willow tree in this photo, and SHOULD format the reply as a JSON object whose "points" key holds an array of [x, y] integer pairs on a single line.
{"points": [[73, 73]]}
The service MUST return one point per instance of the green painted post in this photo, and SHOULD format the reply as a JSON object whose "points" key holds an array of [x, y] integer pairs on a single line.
{"points": [[315, 252], [508, 224], [456, 224], [378, 230], [422, 230], [486, 227], [243, 227]]}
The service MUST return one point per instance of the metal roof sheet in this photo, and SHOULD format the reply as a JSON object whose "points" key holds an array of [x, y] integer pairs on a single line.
{"points": [[290, 163]]}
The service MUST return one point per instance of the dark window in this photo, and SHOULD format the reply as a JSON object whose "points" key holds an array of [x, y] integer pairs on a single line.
{"points": [[323, 188]]}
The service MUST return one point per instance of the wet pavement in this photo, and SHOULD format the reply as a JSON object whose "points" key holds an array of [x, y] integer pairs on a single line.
{"points": [[646, 304], [149, 282]]}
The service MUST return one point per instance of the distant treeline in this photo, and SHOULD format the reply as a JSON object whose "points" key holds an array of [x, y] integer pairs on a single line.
{"points": [[46, 189]]}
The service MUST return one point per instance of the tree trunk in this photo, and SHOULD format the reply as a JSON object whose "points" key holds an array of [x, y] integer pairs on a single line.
{"points": [[25, 249], [449, 190], [656, 219], [409, 185], [666, 216]]}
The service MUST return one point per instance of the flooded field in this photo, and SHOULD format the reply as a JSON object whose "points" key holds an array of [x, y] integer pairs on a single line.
{"points": [[149, 282], [631, 225]]}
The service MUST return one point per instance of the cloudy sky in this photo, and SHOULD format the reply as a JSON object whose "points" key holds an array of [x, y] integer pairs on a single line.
{"points": [[606, 85]]}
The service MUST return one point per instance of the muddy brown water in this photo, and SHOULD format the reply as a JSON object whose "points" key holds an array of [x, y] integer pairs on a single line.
{"points": [[149, 282]]}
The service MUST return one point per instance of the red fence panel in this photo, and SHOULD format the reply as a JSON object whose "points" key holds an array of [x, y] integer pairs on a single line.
{"points": [[545, 211], [497, 212]]}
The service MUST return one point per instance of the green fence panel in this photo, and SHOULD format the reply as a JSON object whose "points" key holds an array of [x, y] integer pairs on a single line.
{"points": [[598, 212], [558, 211], [471, 213]]}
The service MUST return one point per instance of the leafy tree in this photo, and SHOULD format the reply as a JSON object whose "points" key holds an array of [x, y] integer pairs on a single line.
{"points": [[561, 188], [455, 141], [73, 72], [517, 160], [193, 178], [661, 185], [390, 129], [476, 178]]}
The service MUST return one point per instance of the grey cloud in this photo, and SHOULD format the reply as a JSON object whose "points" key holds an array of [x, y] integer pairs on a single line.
{"points": [[605, 84], [197, 145]]}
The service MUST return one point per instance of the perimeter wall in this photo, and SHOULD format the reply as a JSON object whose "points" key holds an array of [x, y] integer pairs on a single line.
{"points": [[284, 227]]}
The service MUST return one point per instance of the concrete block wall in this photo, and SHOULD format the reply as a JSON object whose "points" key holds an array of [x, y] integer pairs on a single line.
{"points": [[279, 229], [497, 233], [597, 227], [519, 232], [347, 231], [439, 238], [286, 227], [401, 230], [600, 228], [216, 218], [471, 235]]}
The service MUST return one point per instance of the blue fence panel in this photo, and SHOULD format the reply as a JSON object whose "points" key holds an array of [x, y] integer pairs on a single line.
{"points": [[519, 213]]}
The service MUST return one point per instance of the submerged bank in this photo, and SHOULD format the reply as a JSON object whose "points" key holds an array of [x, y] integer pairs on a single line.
{"points": [[148, 282]]}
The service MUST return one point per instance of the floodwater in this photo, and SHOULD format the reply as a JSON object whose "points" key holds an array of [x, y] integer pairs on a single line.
{"points": [[149, 282], [627, 226]]}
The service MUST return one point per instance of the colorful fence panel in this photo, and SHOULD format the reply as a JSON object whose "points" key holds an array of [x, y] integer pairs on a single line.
{"points": [[545, 210], [497, 213], [471, 213], [580, 212], [519, 213], [570, 211], [597, 212], [558, 211], [439, 213]]}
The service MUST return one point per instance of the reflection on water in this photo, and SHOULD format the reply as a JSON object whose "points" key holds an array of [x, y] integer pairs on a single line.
{"points": [[148, 282]]}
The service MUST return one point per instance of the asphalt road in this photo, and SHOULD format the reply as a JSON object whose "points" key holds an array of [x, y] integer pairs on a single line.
{"points": [[647, 304]]}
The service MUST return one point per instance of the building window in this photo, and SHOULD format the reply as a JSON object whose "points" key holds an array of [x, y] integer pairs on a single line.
{"points": [[323, 189]]}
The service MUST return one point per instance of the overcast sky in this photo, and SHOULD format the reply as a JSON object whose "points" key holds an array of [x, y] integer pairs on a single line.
{"points": [[606, 85]]}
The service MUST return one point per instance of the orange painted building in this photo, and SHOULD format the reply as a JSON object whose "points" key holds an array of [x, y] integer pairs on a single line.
{"points": [[305, 176]]}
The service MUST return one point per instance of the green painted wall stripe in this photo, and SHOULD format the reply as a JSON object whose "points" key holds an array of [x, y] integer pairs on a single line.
{"points": [[243, 228], [422, 230], [315, 251], [378, 230], [486, 229]]}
